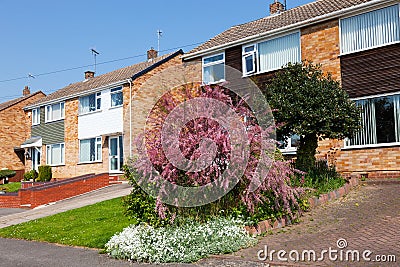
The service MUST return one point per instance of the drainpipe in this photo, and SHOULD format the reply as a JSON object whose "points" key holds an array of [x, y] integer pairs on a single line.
{"points": [[130, 118]]}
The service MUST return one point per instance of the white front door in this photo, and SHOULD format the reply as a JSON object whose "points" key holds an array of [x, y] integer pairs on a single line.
{"points": [[116, 153], [36, 155]]}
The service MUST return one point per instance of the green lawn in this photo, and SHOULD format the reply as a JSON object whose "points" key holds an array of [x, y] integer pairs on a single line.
{"points": [[90, 226], [11, 187]]}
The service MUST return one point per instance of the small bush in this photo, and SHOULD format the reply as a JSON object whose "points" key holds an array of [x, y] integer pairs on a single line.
{"points": [[7, 174], [31, 175], [186, 243], [45, 173]]}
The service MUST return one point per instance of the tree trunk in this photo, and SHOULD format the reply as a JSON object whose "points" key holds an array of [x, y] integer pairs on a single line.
{"points": [[306, 152]]}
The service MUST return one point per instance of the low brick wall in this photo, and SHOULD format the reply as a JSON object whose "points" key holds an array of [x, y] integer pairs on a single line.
{"points": [[265, 226], [53, 191]]}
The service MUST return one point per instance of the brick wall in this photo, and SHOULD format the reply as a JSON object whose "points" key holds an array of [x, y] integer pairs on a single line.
{"points": [[14, 130], [320, 44], [148, 88], [43, 194]]}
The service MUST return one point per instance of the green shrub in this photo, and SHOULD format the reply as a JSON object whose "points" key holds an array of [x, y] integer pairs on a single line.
{"points": [[31, 175], [45, 173], [6, 174]]}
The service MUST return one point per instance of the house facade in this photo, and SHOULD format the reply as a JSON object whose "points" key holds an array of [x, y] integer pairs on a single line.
{"points": [[81, 128], [357, 41], [13, 131]]}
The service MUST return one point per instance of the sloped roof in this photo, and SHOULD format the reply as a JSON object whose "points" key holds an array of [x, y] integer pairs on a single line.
{"points": [[13, 102], [275, 22], [109, 78]]}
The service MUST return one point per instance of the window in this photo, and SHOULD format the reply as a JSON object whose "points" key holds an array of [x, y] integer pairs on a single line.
{"points": [[90, 103], [55, 112], [372, 29], [90, 150], [36, 116], [55, 154], [272, 54], [380, 117], [249, 59], [214, 68], [289, 145], [116, 97]]}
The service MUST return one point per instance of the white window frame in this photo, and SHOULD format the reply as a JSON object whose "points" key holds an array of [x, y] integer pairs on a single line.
{"points": [[117, 90], [97, 142], [289, 149], [97, 97], [256, 63], [346, 141], [246, 54], [49, 155], [363, 49], [49, 108], [204, 65], [36, 116]]}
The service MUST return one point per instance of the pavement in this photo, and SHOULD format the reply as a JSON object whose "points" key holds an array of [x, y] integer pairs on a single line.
{"points": [[10, 217], [368, 218]]}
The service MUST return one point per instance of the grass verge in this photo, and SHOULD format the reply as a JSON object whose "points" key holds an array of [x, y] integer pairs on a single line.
{"points": [[90, 226]]}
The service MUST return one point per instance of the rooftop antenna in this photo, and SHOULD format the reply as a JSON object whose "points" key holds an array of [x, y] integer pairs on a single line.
{"points": [[159, 35], [30, 76], [94, 53]]}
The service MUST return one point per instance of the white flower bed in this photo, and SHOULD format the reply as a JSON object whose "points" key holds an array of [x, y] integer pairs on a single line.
{"points": [[187, 243]]}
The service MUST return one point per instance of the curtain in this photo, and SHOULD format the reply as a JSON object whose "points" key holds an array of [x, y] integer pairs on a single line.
{"points": [[371, 29], [84, 105], [367, 135], [56, 154], [84, 153], [275, 53], [396, 101]]}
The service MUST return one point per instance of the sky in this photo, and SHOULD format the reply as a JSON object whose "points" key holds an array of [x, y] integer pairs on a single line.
{"points": [[52, 40]]}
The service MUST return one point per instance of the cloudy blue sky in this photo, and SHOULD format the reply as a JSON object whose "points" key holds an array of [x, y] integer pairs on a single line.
{"points": [[44, 37]]}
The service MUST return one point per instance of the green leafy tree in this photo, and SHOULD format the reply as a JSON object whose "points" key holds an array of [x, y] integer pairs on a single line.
{"points": [[310, 104]]}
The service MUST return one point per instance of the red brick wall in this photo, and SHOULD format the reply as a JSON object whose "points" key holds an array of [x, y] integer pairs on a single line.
{"points": [[14, 130], [55, 191]]}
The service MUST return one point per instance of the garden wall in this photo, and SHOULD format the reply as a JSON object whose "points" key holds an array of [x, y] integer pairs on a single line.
{"points": [[33, 197]]}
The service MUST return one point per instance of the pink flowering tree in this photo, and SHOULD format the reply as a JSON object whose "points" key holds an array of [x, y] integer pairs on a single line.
{"points": [[206, 141]]}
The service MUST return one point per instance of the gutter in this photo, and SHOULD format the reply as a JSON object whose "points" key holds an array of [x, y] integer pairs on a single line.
{"points": [[340, 13], [54, 101]]}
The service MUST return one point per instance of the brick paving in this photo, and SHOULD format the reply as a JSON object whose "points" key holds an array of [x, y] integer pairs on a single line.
{"points": [[368, 219]]}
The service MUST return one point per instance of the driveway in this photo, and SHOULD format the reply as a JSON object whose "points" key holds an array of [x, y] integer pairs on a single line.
{"points": [[367, 219]]}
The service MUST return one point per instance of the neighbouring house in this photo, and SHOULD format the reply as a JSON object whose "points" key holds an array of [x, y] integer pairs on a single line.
{"points": [[80, 128], [13, 131], [357, 41]]}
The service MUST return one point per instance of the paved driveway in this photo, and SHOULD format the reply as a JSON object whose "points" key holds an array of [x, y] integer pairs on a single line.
{"points": [[368, 219]]}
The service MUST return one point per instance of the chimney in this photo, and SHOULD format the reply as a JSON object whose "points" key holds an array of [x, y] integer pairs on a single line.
{"points": [[276, 8], [89, 74], [151, 54], [26, 91]]}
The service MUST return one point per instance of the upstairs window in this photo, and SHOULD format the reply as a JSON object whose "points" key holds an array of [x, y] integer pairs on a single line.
{"points": [[36, 116], [271, 54], [380, 119], [368, 30], [116, 97], [90, 103], [214, 68], [54, 112]]}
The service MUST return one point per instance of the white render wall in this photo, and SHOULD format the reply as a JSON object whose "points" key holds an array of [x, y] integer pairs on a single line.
{"points": [[107, 121]]}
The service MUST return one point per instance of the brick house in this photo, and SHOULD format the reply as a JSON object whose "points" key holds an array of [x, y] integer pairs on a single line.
{"points": [[80, 128], [357, 41], [13, 131]]}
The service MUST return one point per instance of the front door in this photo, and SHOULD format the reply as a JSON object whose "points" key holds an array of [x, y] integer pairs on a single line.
{"points": [[116, 154], [36, 155]]}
